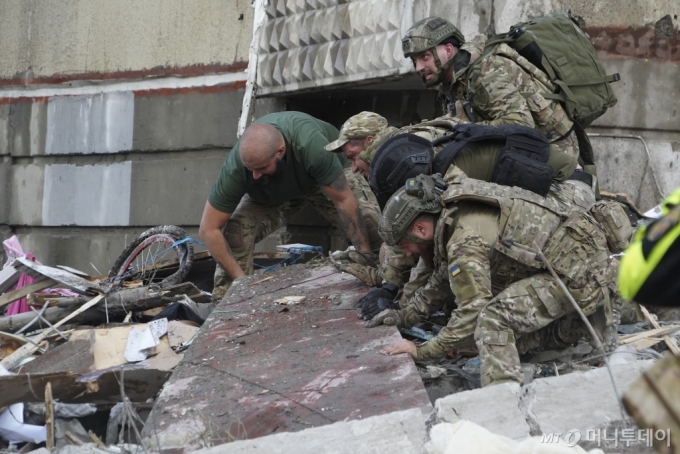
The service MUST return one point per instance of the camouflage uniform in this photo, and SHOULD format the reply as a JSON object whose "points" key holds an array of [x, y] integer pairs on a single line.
{"points": [[505, 88], [251, 222], [483, 260]]}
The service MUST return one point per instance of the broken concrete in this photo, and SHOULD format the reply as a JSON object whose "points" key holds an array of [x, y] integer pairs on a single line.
{"points": [[588, 396], [397, 432], [582, 401], [256, 368], [504, 417]]}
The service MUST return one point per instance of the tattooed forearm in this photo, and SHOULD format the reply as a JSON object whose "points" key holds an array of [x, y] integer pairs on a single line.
{"points": [[355, 228], [339, 184]]}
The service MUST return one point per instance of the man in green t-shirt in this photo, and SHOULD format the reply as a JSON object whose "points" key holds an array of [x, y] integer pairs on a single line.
{"points": [[277, 166]]}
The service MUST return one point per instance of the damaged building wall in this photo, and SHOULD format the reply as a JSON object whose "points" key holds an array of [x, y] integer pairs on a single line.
{"points": [[115, 117], [338, 45]]}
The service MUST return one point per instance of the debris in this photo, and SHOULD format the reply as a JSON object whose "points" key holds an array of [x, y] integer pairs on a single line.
{"points": [[141, 342], [70, 432], [290, 300], [86, 351], [100, 387], [75, 283], [261, 280], [9, 343], [8, 277], [166, 360], [117, 303], [180, 332], [435, 371], [62, 410], [14, 359], [646, 339], [49, 417], [470, 438], [25, 291], [13, 429], [670, 342]]}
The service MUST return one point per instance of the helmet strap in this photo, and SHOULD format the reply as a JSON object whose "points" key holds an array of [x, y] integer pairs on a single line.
{"points": [[441, 69]]}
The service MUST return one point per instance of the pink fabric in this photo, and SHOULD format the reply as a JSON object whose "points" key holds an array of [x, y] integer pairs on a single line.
{"points": [[14, 250], [21, 306]]}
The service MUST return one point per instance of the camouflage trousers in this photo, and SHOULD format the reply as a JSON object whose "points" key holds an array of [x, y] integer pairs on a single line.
{"points": [[251, 222], [525, 307]]}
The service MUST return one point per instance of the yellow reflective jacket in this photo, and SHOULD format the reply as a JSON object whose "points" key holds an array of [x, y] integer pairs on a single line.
{"points": [[650, 270]]}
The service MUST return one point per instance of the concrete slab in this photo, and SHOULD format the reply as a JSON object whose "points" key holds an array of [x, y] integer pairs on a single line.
{"points": [[398, 432], [581, 401], [495, 408], [256, 369]]}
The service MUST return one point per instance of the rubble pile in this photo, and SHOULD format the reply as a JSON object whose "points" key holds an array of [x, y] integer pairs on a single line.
{"points": [[83, 357]]}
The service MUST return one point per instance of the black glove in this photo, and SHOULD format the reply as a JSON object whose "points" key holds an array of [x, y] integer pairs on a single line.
{"points": [[374, 308], [388, 291]]}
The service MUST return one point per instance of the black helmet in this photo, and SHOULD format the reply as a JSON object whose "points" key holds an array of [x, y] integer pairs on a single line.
{"points": [[401, 157]]}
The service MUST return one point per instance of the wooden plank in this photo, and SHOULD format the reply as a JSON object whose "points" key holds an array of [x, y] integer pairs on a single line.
{"points": [[19, 293], [49, 417], [670, 342], [100, 388], [656, 332], [15, 358]]}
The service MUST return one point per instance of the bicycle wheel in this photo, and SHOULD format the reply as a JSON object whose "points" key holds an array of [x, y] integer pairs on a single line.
{"points": [[151, 257]]}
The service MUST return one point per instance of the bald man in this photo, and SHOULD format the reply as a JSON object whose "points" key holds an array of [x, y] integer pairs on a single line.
{"points": [[277, 166]]}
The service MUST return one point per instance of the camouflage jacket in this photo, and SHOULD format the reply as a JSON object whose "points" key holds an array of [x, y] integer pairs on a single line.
{"points": [[506, 89], [474, 261]]}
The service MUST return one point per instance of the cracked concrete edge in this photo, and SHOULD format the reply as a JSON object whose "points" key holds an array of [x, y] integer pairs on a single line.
{"points": [[401, 431], [525, 399]]}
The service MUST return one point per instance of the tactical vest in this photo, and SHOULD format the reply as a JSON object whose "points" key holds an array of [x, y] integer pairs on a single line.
{"points": [[522, 161], [432, 130], [573, 244]]}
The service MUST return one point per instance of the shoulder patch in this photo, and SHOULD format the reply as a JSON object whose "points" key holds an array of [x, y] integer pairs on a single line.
{"points": [[455, 269]]}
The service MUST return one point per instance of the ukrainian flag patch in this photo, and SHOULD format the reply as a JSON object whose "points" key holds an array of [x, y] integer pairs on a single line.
{"points": [[455, 269]]}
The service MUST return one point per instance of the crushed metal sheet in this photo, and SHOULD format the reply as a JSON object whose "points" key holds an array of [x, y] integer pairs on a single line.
{"points": [[75, 283]]}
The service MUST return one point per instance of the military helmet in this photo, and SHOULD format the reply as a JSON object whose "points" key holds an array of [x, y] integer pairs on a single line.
{"points": [[427, 33], [399, 158], [419, 195]]}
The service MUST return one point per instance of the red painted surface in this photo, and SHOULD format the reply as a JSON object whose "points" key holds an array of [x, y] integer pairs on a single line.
{"points": [[232, 86], [258, 371], [636, 43], [187, 71], [37, 99]]}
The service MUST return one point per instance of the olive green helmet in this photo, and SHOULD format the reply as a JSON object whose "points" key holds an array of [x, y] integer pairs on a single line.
{"points": [[426, 35], [420, 195]]}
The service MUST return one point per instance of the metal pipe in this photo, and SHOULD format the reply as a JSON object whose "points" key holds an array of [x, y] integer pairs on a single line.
{"points": [[649, 156]]}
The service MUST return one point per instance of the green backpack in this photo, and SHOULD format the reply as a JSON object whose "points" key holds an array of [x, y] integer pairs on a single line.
{"points": [[556, 45]]}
